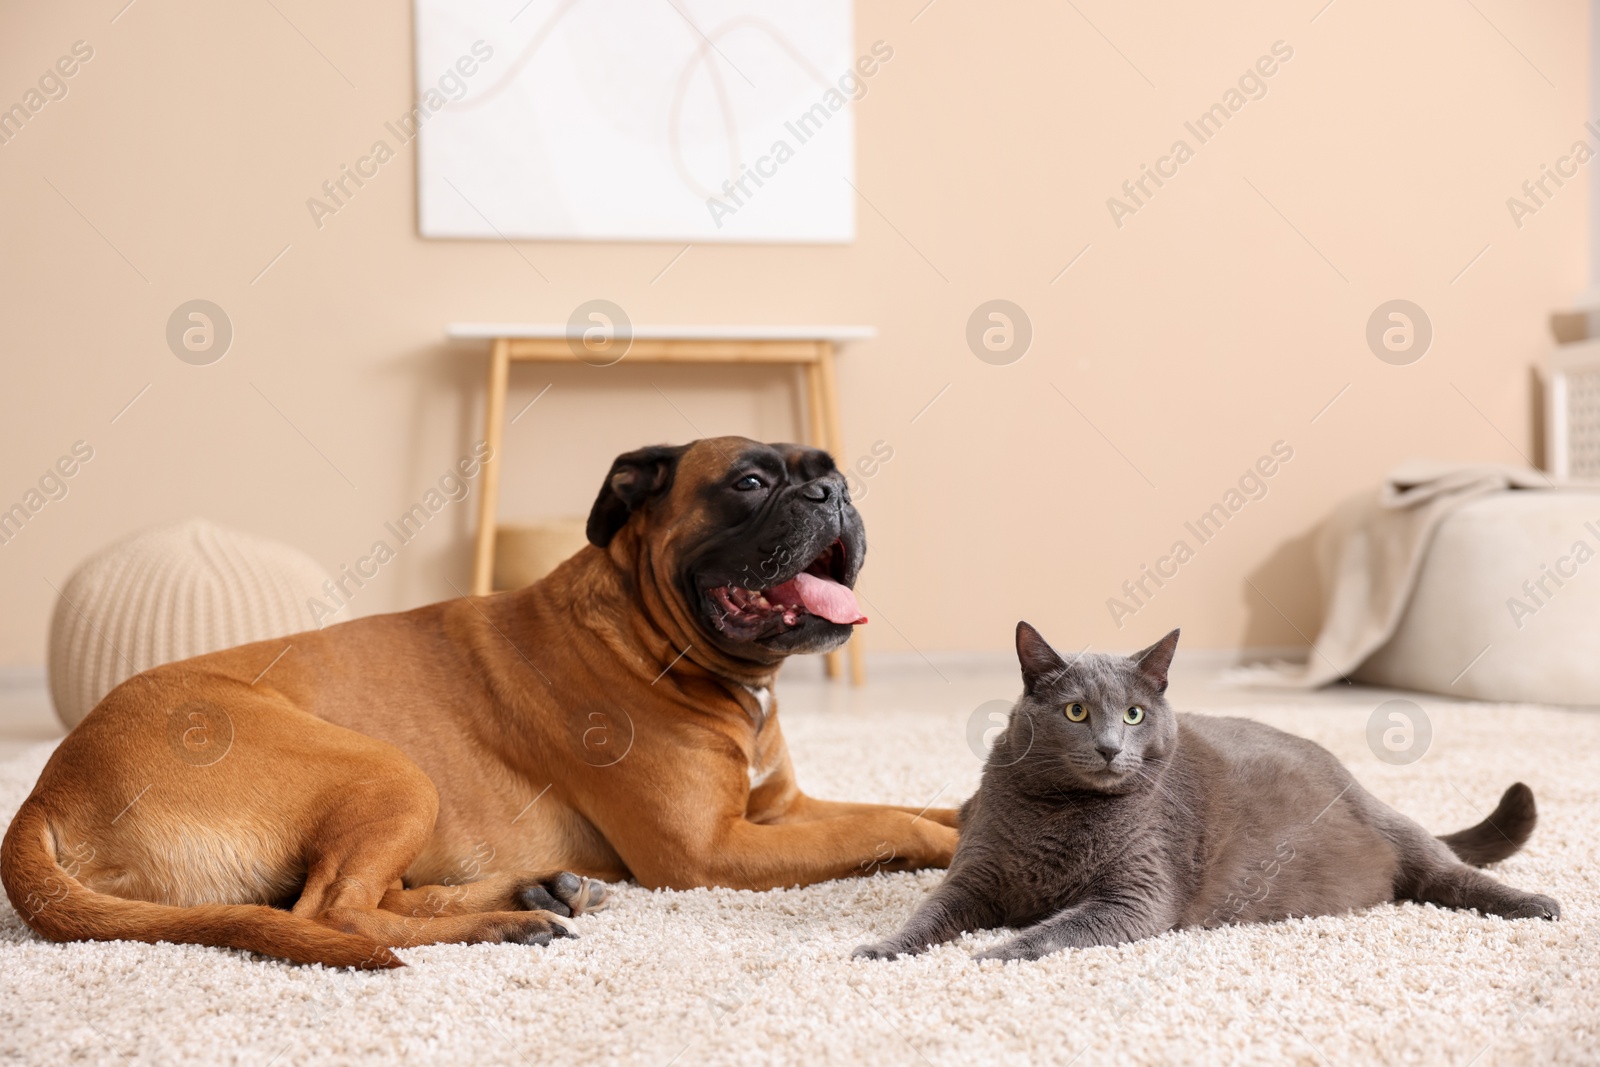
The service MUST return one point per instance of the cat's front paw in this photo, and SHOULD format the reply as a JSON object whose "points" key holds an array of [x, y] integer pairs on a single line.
{"points": [[880, 950], [1535, 906], [1018, 948]]}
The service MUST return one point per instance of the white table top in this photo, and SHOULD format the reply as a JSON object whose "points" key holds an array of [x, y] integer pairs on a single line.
{"points": [[462, 331]]}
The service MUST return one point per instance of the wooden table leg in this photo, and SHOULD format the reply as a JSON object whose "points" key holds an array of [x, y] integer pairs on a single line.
{"points": [[817, 422], [829, 382], [494, 418]]}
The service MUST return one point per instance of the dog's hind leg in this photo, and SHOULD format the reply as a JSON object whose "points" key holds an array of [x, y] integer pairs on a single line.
{"points": [[373, 834]]}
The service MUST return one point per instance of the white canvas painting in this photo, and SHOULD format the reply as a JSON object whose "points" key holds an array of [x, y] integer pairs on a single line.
{"points": [[672, 120]]}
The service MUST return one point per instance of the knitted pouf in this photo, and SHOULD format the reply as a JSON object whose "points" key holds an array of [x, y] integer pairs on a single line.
{"points": [[1506, 606], [166, 594]]}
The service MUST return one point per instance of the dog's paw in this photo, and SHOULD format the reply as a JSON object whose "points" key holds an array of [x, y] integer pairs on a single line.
{"points": [[1536, 906], [564, 893], [536, 928]]}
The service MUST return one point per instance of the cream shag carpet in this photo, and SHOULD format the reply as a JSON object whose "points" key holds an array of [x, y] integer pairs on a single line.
{"points": [[733, 977]]}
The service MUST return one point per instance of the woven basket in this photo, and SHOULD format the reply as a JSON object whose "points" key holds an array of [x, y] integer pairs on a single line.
{"points": [[166, 594], [526, 552]]}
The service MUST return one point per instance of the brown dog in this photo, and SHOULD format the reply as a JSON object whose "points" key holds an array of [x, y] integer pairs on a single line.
{"points": [[432, 775]]}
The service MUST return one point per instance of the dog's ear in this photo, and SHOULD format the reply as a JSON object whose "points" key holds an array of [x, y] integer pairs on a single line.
{"points": [[635, 478]]}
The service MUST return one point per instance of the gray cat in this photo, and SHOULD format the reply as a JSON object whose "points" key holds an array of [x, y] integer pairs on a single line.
{"points": [[1105, 817]]}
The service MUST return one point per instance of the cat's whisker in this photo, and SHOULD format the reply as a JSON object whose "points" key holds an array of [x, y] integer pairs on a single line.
{"points": [[1156, 783]]}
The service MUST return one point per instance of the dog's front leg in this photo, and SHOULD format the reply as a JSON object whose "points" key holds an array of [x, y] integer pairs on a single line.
{"points": [[743, 823], [733, 852], [804, 808], [778, 799]]}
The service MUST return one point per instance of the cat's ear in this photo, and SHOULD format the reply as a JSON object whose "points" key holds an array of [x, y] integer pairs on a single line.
{"points": [[1038, 659], [1154, 662]]}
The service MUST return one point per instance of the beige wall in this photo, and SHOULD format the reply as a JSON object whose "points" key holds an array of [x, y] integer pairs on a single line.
{"points": [[1195, 336]]}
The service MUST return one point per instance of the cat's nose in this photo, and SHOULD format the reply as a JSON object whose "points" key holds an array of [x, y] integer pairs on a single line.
{"points": [[1108, 750]]}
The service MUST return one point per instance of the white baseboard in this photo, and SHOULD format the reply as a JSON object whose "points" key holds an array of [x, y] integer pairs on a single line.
{"points": [[25, 676], [31, 677], [26, 712], [1223, 658], [897, 663]]}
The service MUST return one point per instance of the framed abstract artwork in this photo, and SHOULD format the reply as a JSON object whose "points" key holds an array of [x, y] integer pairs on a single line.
{"points": [[677, 120]]}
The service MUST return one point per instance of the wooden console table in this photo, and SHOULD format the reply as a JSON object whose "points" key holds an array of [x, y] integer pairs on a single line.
{"points": [[809, 349]]}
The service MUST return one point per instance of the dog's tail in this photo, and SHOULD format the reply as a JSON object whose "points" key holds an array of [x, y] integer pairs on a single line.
{"points": [[1505, 831], [55, 904]]}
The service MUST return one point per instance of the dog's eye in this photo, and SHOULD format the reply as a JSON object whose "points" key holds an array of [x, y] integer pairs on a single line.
{"points": [[1133, 716], [749, 482], [1077, 713]]}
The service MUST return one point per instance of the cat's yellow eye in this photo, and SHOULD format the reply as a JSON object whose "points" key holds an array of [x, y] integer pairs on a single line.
{"points": [[1133, 716], [1077, 713]]}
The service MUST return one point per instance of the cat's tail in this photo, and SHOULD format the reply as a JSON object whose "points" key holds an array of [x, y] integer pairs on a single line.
{"points": [[1505, 831]]}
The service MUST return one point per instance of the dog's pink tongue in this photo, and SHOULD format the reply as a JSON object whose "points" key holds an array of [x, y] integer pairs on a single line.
{"points": [[820, 596]]}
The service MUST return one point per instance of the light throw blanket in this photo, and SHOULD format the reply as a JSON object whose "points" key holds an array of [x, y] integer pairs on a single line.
{"points": [[1370, 551]]}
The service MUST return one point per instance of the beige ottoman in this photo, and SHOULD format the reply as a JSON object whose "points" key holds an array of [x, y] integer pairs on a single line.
{"points": [[166, 594], [1506, 606]]}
